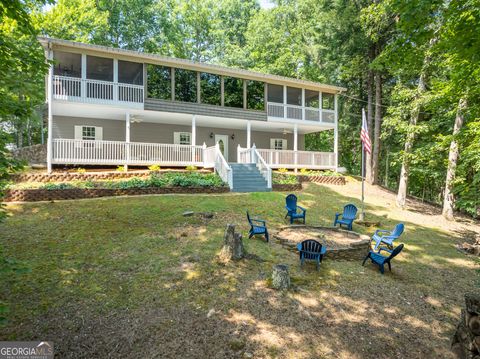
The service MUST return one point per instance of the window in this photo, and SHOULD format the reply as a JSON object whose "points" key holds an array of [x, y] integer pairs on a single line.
{"points": [[182, 138], [311, 99], [159, 82], [275, 93], [99, 68], [67, 64], [328, 101], [294, 96], [130, 72], [185, 85], [255, 95], [278, 144], [210, 89], [233, 92], [88, 133]]}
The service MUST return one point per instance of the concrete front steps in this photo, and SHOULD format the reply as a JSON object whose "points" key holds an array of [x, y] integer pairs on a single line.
{"points": [[247, 178]]}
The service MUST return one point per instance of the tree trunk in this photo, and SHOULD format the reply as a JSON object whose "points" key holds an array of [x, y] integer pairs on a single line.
{"points": [[368, 156], [448, 198], [378, 125], [280, 277], [232, 246], [414, 117]]}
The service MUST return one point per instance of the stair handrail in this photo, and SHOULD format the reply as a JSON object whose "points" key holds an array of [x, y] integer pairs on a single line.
{"points": [[262, 166], [222, 167]]}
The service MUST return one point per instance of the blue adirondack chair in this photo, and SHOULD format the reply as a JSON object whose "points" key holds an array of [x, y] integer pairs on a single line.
{"points": [[380, 260], [311, 250], [388, 238], [257, 229], [349, 213], [292, 208]]}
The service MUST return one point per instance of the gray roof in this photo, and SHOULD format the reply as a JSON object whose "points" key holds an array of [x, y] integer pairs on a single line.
{"points": [[192, 65]]}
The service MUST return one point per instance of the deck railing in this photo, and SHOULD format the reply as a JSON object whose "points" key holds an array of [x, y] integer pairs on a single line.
{"points": [[86, 152], [298, 159], [96, 91], [301, 113]]}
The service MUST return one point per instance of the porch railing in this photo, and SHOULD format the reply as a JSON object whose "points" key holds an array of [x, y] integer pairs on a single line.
{"points": [[85, 152], [292, 112], [96, 91], [298, 159]]}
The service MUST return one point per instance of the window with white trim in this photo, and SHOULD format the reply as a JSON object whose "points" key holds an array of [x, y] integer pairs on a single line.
{"points": [[88, 133], [182, 138], [278, 144]]}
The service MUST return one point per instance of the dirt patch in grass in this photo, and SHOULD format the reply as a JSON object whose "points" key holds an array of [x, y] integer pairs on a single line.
{"points": [[332, 238]]}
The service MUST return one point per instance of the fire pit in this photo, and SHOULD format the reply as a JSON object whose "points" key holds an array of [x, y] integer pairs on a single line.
{"points": [[341, 244]]}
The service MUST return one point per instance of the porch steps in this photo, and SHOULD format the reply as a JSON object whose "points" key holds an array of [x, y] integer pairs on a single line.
{"points": [[247, 178]]}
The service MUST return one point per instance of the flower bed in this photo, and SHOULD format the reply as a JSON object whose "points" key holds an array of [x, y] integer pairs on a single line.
{"points": [[171, 182]]}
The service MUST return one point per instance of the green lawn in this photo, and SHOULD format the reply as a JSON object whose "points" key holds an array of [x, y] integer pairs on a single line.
{"points": [[132, 277]]}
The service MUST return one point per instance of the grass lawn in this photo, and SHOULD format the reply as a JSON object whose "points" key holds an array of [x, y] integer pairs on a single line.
{"points": [[131, 277]]}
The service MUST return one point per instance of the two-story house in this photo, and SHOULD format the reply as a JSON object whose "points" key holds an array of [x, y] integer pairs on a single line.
{"points": [[108, 106]]}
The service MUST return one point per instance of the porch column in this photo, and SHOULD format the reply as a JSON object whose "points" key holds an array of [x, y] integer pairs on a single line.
{"points": [[83, 84], [115, 79], [194, 136], [50, 113], [127, 140], [285, 102], [335, 134], [249, 133], [295, 144]]}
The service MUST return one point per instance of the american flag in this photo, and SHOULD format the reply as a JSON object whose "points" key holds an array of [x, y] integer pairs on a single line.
{"points": [[367, 144]]}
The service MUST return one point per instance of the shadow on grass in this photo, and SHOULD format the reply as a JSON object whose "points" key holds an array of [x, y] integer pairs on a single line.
{"points": [[133, 277]]}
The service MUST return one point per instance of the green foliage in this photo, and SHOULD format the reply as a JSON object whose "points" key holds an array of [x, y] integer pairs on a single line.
{"points": [[191, 168], [172, 179], [284, 178], [55, 186], [120, 169], [282, 170]]}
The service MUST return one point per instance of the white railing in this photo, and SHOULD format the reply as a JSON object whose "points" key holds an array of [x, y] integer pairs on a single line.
{"points": [[209, 154], [292, 112], [68, 151], [96, 91], [298, 159], [222, 167], [251, 155]]}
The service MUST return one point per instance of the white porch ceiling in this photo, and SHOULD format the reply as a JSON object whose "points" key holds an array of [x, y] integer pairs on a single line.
{"points": [[70, 109]]}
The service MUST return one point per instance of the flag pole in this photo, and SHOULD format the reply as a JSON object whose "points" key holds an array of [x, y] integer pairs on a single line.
{"points": [[362, 214]]}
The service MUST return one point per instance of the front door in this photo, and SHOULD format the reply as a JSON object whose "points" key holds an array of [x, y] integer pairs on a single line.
{"points": [[222, 141]]}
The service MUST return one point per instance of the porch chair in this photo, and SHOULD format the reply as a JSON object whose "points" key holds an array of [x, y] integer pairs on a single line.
{"points": [[310, 249], [292, 209], [380, 260], [257, 229], [348, 216], [388, 238]]}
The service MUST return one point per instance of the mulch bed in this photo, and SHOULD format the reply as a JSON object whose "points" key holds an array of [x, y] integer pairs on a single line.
{"points": [[338, 180]]}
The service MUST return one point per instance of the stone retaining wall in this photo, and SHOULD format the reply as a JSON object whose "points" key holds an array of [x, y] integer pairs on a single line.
{"points": [[286, 187], [338, 180], [36, 154], [86, 176], [34, 195]]}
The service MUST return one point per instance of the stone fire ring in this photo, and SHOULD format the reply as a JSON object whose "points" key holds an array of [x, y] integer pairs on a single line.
{"points": [[341, 244]]}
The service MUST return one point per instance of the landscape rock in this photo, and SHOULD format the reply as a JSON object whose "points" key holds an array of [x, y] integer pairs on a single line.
{"points": [[188, 213]]}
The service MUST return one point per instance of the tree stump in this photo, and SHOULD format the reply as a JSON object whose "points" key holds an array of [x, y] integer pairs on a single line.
{"points": [[280, 277], [232, 245]]}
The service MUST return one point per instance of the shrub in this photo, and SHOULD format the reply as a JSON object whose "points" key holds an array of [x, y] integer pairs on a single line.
{"points": [[81, 170], [282, 170], [120, 169], [154, 168], [284, 178], [54, 186], [191, 168], [304, 171]]}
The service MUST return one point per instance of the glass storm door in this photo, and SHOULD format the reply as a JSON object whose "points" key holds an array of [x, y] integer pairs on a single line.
{"points": [[222, 141]]}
